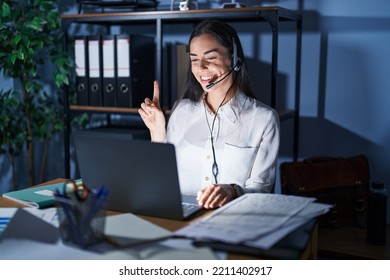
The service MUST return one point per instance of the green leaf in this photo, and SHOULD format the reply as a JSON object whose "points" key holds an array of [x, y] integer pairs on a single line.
{"points": [[47, 5], [36, 23], [33, 70], [61, 79], [21, 55], [12, 102], [58, 126], [16, 39], [5, 10], [14, 56], [61, 61], [37, 3], [28, 86], [25, 39]]}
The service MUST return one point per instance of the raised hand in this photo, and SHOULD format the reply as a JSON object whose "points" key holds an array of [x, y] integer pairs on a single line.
{"points": [[153, 116]]}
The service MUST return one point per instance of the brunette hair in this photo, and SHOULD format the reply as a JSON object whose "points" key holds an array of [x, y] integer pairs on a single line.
{"points": [[227, 37]]}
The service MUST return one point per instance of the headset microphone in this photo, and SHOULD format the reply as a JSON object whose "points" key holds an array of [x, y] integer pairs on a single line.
{"points": [[236, 62], [210, 85]]}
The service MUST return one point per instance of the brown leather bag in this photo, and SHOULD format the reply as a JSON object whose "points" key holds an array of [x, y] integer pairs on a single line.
{"points": [[340, 181]]}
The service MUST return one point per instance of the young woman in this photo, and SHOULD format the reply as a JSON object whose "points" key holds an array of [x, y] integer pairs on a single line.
{"points": [[226, 141]]}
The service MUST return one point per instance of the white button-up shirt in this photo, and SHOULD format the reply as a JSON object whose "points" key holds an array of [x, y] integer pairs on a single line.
{"points": [[246, 141]]}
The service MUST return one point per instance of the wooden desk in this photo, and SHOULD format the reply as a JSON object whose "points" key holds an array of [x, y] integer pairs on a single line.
{"points": [[300, 244]]}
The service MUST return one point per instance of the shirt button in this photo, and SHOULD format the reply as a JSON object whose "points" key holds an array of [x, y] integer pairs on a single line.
{"points": [[208, 157], [207, 178]]}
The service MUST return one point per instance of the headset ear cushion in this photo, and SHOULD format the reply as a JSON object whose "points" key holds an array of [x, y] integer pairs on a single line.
{"points": [[237, 65], [236, 61]]}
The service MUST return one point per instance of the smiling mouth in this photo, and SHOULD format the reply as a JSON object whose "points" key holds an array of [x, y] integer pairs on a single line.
{"points": [[208, 79]]}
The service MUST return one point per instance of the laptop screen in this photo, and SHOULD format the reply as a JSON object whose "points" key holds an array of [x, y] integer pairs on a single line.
{"points": [[141, 175]]}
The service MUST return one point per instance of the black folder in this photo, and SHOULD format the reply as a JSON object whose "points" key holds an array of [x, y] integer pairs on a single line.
{"points": [[123, 84], [142, 57], [94, 71], [135, 69], [108, 60], [80, 53]]}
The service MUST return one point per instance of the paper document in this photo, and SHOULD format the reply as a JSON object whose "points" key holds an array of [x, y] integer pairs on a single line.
{"points": [[25, 225], [48, 215], [131, 229], [254, 216], [309, 212]]}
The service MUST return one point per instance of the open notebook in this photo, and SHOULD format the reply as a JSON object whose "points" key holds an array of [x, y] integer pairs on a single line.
{"points": [[141, 175]]}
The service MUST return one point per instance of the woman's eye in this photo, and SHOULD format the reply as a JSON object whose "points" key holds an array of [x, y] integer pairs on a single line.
{"points": [[211, 58]]}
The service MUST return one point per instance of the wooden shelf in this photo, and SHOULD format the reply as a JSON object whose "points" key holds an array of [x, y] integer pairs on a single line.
{"points": [[96, 109], [120, 3], [229, 14], [283, 113]]}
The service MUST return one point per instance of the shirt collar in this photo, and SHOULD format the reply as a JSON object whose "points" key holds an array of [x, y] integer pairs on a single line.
{"points": [[233, 108]]}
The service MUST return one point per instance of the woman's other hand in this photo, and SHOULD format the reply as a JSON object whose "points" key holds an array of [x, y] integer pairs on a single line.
{"points": [[215, 195]]}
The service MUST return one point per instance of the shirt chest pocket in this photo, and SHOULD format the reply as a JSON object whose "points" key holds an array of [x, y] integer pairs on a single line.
{"points": [[237, 163]]}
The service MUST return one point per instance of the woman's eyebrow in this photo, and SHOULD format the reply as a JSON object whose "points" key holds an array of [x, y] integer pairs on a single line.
{"points": [[207, 52]]}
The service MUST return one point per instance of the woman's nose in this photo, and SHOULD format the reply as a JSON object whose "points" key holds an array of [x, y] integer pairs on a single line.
{"points": [[204, 64]]}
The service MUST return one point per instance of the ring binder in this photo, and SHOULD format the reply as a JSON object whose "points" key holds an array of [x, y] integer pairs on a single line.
{"points": [[123, 70], [109, 85], [80, 49], [114, 70], [135, 68], [94, 57]]}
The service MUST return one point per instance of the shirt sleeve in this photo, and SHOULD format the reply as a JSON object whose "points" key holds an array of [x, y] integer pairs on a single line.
{"points": [[262, 177], [175, 125]]}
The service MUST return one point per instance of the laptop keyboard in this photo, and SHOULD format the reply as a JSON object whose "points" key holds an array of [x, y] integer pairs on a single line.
{"points": [[189, 207]]}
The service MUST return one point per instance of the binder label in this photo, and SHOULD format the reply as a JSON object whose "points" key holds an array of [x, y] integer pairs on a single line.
{"points": [[80, 58], [123, 58], [108, 59], [94, 59]]}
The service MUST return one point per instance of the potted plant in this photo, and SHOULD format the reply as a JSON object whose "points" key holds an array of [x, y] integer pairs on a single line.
{"points": [[31, 43]]}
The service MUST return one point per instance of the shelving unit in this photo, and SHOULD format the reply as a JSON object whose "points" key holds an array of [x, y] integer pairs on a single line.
{"points": [[118, 4], [272, 15]]}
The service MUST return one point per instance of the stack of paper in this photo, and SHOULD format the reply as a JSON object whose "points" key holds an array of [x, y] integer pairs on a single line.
{"points": [[256, 220]]}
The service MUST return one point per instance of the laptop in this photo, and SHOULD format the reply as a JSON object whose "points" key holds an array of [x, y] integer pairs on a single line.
{"points": [[141, 176]]}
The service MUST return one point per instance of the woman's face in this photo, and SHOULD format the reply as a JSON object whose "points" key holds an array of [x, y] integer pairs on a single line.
{"points": [[210, 61]]}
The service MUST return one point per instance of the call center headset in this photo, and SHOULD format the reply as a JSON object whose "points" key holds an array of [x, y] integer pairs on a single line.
{"points": [[236, 61], [236, 66]]}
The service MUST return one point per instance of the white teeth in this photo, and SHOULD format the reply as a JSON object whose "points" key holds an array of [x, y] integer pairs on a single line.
{"points": [[205, 78]]}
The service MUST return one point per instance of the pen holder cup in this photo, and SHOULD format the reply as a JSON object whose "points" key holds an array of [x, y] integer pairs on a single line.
{"points": [[81, 223]]}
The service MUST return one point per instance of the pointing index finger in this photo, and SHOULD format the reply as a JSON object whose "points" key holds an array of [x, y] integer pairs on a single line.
{"points": [[156, 93]]}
